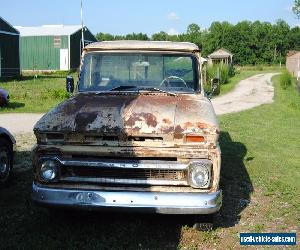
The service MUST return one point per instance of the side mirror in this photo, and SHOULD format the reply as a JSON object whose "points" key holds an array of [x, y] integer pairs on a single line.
{"points": [[214, 87], [70, 84]]}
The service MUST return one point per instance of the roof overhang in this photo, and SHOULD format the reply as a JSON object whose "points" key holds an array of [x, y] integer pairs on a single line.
{"points": [[49, 30], [143, 45], [219, 56]]}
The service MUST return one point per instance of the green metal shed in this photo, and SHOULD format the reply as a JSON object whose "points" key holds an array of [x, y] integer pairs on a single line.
{"points": [[9, 50], [52, 47]]}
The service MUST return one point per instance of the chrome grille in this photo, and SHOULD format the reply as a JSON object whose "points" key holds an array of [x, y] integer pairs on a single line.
{"points": [[140, 174], [149, 172]]}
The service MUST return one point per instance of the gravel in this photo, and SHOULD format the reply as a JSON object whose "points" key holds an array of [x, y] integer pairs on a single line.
{"points": [[247, 94]]}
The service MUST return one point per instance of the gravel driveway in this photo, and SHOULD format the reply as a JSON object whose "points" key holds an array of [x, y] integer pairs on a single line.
{"points": [[248, 93], [18, 123]]}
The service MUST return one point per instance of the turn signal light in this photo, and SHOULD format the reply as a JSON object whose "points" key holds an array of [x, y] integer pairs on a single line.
{"points": [[194, 138]]}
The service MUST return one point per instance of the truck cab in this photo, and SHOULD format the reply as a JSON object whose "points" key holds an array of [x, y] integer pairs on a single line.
{"points": [[138, 134]]}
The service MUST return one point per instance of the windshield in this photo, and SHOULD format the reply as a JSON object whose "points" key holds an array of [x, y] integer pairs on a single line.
{"points": [[139, 71]]}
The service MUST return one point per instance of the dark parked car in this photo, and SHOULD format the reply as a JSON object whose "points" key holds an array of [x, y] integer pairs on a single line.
{"points": [[7, 144], [4, 97]]}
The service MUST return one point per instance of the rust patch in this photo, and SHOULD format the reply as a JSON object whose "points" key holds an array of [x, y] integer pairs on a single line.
{"points": [[136, 129], [167, 121], [178, 129], [178, 132], [187, 125], [149, 118], [167, 130], [82, 120], [202, 125], [132, 120]]}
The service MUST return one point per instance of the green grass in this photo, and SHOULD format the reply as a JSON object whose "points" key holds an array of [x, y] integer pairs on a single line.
{"points": [[271, 135], [260, 182], [35, 95]]}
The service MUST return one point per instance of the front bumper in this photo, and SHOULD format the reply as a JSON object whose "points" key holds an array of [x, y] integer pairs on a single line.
{"points": [[153, 202]]}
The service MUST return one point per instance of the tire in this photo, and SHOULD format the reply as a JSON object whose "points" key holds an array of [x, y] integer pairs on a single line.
{"points": [[6, 160], [204, 223]]}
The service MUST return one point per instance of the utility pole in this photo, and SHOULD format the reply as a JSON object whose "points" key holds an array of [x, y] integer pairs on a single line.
{"points": [[298, 72], [82, 36]]}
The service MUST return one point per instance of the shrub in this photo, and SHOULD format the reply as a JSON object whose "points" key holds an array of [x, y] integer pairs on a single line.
{"points": [[221, 71], [231, 71], [285, 79], [224, 73]]}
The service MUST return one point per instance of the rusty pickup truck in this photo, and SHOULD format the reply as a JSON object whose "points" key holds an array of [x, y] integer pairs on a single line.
{"points": [[138, 133]]}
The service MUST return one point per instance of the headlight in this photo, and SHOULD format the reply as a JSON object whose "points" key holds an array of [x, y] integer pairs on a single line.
{"points": [[200, 174], [49, 170]]}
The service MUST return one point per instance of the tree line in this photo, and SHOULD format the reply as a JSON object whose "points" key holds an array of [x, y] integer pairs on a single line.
{"points": [[250, 42]]}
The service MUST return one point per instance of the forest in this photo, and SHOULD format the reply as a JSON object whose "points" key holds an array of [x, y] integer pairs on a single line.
{"points": [[251, 42]]}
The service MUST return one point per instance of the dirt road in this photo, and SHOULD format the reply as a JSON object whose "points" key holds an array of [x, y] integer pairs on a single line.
{"points": [[248, 93], [19, 122]]}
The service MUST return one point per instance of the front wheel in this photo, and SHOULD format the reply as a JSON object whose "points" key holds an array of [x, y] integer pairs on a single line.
{"points": [[6, 153]]}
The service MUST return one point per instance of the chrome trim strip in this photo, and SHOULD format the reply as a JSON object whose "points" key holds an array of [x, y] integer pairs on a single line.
{"points": [[143, 164], [125, 181], [154, 202]]}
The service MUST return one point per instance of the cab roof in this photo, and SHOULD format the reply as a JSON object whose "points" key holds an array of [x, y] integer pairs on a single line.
{"points": [[143, 45]]}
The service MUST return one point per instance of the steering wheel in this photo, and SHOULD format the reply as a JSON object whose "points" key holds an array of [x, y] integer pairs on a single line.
{"points": [[168, 78]]}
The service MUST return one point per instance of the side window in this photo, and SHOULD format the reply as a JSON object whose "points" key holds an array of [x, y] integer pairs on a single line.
{"points": [[85, 79], [90, 77]]}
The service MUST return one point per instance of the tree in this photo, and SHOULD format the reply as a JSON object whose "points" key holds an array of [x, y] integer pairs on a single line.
{"points": [[104, 37], [193, 34], [161, 36], [296, 8], [281, 44], [218, 35], [193, 29], [250, 42], [294, 41], [137, 36]]}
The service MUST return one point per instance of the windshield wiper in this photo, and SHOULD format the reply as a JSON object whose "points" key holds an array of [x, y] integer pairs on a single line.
{"points": [[158, 90], [123, 87], [118, 88], [126, 87]]}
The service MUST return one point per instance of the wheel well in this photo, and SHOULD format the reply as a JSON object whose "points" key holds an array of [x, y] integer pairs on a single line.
{"points": [[5, 136]]}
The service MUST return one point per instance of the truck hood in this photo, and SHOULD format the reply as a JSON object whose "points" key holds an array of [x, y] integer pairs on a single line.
{"points": [[131, 114]]}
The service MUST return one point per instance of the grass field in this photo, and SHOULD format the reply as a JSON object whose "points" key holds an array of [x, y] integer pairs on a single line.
{"points": [[35, 95], [260, 181]]}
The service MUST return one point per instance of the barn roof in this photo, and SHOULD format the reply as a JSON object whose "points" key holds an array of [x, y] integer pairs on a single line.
{"points": [[292, 53], [7, 28], [221, 53], [49, 30]]}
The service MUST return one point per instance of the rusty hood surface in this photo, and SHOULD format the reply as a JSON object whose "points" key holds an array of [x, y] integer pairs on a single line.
{"points": [[131, 114]]}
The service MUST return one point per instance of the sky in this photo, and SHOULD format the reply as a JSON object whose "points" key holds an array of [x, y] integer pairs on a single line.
{"points": [[123, 17]]}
